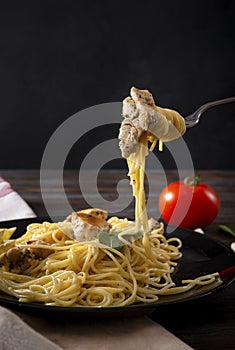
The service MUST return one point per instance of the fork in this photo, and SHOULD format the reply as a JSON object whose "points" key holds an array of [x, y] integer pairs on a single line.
{"points": [[193, 118]]}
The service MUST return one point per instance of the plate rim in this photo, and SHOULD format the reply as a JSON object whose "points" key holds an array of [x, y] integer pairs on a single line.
{"points": [[144, 307]]}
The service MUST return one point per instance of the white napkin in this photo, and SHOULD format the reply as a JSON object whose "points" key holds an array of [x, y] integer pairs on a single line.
{"points": [[17, 335], [12, 206], [106, 334], [115, 334]]}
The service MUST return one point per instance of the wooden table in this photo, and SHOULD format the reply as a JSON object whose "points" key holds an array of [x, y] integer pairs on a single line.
{"points": [[205, 324]]}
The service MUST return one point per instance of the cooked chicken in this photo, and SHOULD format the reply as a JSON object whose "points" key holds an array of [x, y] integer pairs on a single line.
{"points": [[19, 259], [141, 114], [103, 214], [85, 227], [153, 224]]}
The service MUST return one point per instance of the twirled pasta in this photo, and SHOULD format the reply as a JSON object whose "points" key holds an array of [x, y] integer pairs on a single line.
{"points": [[141, 115], [61, 271]]}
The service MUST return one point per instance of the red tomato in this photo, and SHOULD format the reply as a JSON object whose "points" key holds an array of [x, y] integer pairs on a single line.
{"points": [[189, 204]]}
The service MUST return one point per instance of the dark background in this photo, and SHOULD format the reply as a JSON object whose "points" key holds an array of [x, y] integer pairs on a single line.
{"points": [[57, 58]]}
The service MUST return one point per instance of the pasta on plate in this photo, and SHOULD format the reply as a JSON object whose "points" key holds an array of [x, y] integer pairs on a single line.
{"points": [[90, 260], [91, 274]]}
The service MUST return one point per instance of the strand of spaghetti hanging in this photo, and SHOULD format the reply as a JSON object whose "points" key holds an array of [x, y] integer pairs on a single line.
{"points": [[144, 122], [136, 165]]}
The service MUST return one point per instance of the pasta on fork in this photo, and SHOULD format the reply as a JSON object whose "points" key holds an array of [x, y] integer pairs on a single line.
{"points": [[90, 260]]}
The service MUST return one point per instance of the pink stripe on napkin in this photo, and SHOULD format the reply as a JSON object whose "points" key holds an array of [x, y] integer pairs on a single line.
{"points": [[12, 205], [5, 187]]}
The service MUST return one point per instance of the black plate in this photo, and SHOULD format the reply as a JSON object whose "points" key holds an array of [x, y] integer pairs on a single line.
{"points": [[201, 255]]}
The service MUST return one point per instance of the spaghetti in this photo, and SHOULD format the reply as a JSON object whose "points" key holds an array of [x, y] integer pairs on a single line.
{"points": [[61, 271], [91, 274]]}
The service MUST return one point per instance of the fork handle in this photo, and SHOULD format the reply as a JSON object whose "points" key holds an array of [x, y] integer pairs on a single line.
{"points": [[192, 119], [208, 105]]}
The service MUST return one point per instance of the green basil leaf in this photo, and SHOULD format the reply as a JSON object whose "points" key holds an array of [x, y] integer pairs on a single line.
{"points": [[104, 238], [116, 243], [112, 240], [227, 229]]}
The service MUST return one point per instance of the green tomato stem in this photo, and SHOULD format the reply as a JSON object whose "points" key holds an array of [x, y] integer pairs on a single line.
{"points": [[192, 182]]}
